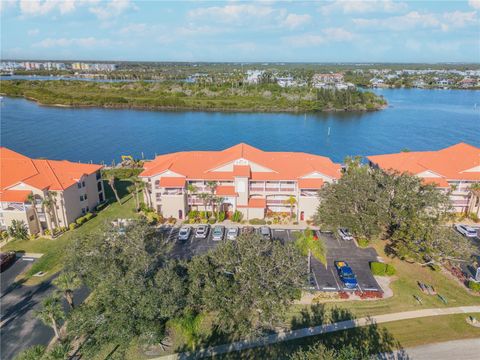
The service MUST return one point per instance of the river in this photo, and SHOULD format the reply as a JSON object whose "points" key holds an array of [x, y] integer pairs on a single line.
{"points": [[416, 119]]}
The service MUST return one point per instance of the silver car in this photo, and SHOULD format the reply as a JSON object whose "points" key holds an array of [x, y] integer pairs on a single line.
{"points": [[264, 232], [345, 234], [232, 233], [466, 230], [202, 232], [184, 233], [217, 234]]}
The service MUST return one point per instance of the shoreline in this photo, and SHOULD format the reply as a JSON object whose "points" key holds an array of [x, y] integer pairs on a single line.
{"points": [[191, 109]]}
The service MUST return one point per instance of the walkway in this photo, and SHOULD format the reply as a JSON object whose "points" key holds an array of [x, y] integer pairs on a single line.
{"points": [[318, 330], [467, 349]]}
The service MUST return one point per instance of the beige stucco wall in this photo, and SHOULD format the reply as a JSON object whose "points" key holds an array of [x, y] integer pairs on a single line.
{"points": [[171, 204], [27, 216], [308, 205]]}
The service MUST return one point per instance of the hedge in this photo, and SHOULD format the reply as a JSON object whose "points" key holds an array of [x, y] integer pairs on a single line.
{"points": [[382, 269], [473, 285], [257, 222]]}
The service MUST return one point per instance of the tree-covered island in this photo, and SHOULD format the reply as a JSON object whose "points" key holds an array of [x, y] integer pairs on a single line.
{"points": [[192, 96]]}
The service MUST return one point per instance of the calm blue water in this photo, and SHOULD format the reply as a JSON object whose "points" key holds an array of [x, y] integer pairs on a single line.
{"points": [[416, 119]]}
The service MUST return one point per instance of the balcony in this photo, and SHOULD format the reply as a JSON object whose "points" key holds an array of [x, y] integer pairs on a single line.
{"points": [[173, 192], [276, 201]]}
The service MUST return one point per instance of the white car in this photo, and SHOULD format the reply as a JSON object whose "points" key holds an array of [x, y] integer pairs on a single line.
{"points": [[184, 233], [202, 232], [466, 230], [217, 233], [232, 233], [345, 234]]}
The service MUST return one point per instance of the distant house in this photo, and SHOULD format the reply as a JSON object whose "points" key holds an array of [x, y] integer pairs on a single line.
{"points": [[376, 82], [286, 81], [468, 83], [443, 82], [254, 76], [419, 83], [327, 78], [453, 169]]}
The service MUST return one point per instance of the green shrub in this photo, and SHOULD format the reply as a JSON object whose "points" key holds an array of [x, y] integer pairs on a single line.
{"points": [[390, 270], [257, 222], [269, 222], [193, 214], [192, 221], [237, 216], [295, 223], [80, 220], [72, 226], [89, 216], [474, 286], [474, 217], [378, 268], [363, 243], [212, 221], [221, 216], [47, 232]]}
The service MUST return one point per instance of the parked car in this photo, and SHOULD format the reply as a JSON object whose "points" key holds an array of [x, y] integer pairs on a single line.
{"points": [[246, 230], [232, 233], [346, 274], [202, 232], [7, 259], [184, 233], [264, 231], [466, 230], [345, 234], [217, 234]]}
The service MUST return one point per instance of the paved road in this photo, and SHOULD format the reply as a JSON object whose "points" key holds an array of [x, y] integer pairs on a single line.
{"points": [[468, 349], [19, 329], [322, 329]]}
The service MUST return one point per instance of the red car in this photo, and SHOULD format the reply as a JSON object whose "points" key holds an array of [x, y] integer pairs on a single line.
{"points": [[7, 259]]}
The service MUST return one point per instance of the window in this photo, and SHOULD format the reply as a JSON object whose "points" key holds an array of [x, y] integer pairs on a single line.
{"points": [[79, 185], [98, 175], [99, 186], [81, 198], [87, 209], [83, 183], [83, 210], [100, 197], [85, 196]]}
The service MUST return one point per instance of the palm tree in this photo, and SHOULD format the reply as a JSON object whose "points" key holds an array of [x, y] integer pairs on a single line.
{"points": [[148, 192], [475, 196], [205, 198], [53, 196], [18, 230], [31, 200], [111, 183], [67, 282], [132, 189], [50, 205], [291, 201], [51, 313], [212, 185]]}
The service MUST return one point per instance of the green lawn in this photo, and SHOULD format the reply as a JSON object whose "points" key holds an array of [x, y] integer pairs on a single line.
{"points": [[53, 250], [394, 335]]}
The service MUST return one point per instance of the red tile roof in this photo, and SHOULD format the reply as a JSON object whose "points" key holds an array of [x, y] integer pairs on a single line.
{"points": [[173, 182], [451, 163], [226, 191], [260, 203], [41, 174], [14, 195], [438, 182], [310, 183], [241, 170], [202, 164]]}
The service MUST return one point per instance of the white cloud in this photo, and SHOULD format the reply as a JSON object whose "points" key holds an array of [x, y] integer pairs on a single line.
{"points": [[460, 19], [474, 3], [88, 42], [111, 9], [327, 35], [133, 28], [232, 14], [293, 21], [33, 32], [403, 22], [415, 19], [363, 6]]}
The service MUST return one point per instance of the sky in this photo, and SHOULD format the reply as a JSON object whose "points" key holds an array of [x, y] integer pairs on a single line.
{"points": [[244, 31]]}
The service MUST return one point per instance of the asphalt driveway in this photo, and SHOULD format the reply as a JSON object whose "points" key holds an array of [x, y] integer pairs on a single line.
{"points": [[19, 328]]}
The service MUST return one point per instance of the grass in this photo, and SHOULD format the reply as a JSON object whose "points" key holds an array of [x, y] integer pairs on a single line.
{"points": [[54, 250], [306, 241], [394, 335]]}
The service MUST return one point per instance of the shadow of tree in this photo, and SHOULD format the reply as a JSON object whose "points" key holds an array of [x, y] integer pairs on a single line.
{"points": [[365, 342], [120, 185]]}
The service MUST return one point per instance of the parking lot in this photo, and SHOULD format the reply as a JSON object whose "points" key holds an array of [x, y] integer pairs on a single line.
{"points": [[324, 278]]}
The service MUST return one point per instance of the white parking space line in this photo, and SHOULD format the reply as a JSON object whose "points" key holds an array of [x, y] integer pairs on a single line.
{"points": [[28, 259], [315, 278], [359, 287], [335, 278]]}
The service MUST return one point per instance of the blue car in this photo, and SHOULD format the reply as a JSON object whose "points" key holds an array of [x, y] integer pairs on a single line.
{"points": [[346, 274]]}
